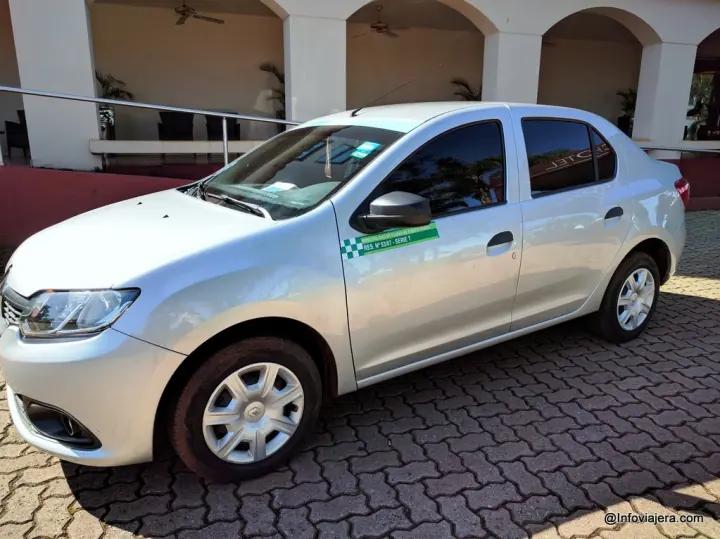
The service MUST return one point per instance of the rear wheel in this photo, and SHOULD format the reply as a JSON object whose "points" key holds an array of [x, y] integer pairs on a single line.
{"points": [[245, 410], [629, 300]]}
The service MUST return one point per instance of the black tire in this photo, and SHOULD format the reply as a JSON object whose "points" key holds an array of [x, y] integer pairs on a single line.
{"points": [[186, 432], [605, 322]]}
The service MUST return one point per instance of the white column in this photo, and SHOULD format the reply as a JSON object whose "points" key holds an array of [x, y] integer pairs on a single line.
{"points": [[663, 92], [54, 52], [511, 67], [315, 80]]}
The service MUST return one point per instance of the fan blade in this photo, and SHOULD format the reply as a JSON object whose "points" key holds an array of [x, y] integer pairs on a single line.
{"points": [[390, 33], [209, 19], [182, 20]]}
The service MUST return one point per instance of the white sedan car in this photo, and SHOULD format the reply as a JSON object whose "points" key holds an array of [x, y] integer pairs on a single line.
{"points": [[349, 250]]}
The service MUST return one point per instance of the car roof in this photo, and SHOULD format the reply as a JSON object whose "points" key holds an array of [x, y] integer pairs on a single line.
{"points": [[405, 117]]}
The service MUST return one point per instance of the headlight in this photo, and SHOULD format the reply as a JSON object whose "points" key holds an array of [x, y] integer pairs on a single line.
{"points": [[75, 312]]}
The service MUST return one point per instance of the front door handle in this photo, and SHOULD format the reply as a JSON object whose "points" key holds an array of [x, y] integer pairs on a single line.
{"points": [[501, 238], [617, 211]]}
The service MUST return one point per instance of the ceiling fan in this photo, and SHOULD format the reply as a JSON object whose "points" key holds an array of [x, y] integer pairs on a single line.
{"points": [[380, 26], [184, 12]]}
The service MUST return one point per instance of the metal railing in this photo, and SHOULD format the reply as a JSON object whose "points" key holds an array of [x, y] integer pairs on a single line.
{"points": [[681, 149], [151, 106], [245, 117]]}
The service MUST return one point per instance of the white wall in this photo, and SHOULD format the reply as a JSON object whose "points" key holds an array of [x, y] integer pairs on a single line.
{"points": [[9, 103], [199, 64], [586, 74], [426, 59]]}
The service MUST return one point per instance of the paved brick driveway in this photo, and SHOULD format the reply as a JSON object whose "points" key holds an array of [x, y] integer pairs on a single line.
{"points": [[537, 436]]}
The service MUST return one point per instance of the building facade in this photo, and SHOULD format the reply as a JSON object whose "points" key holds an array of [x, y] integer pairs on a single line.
{"points": [[339, 54]]}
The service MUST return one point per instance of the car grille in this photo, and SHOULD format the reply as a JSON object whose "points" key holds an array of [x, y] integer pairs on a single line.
{"points": [[12, 306]]}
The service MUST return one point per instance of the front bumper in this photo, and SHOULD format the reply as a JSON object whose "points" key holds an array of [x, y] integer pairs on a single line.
{"points": [[111, 383]]}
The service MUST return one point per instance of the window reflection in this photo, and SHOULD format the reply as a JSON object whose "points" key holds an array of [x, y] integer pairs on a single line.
{"points": [[559, 154], [459, 170]]}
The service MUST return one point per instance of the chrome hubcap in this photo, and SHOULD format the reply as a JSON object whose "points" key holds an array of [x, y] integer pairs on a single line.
{"points": [[636, 299], [253, 413]]}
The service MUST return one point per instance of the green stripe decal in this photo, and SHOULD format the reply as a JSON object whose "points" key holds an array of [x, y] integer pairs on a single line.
{"points": [[384, 241]]}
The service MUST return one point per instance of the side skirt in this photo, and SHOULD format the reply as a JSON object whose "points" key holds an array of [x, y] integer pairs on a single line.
{"points": [[370, 380]]}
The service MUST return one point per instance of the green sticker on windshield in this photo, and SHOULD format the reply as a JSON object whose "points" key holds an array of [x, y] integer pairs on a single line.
{"points": [[384, 241]]}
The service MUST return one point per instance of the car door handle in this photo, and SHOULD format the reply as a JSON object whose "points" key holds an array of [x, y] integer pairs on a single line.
{"points": [[501, 238], [617, 211]]}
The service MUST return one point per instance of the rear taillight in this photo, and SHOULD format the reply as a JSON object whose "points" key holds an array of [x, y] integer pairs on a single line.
{"points": [[683, 189]]}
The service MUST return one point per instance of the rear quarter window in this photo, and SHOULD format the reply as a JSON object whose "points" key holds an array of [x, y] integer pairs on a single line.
{"points": [[605, 156]]}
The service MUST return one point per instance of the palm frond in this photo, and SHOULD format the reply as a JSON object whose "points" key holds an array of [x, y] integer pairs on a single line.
{"points": [[466, 91]]}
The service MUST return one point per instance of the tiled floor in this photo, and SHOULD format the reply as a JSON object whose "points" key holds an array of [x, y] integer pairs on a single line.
{"points": [[544, 435]]}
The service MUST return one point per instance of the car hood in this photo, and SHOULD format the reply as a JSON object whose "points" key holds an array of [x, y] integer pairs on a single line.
{"points": [[114, 245]]}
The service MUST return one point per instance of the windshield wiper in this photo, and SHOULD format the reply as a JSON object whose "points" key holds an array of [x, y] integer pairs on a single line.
{"points": [[202, 187], [244, 206]]}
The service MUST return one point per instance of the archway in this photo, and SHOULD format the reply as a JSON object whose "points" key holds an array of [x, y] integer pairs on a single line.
{"points": [[591, 60], [412, 50], [703, 121], [195, 64]]}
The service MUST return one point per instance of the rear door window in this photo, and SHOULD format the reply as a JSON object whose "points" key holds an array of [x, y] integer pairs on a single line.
{"points": [[565, 154], [559, 155]]}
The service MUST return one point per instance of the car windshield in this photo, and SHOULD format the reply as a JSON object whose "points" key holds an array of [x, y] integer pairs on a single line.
{"points": [[295, 171]]}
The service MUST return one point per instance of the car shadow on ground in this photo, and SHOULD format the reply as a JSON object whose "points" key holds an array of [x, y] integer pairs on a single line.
{"points": [[550, 429]]}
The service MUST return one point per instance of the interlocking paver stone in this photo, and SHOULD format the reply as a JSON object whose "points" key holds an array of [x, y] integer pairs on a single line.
{"points": [[295, 523], [158, 525], [410, 473], [527, 483], [84, 525], [466, 522], [540, 436], [339, 478], [338, 508], [493, 496], [426, 531], [378, 492], [420, 507], [380, 523], [51, 517], [139, 507], [258, 516], [221, 502]]}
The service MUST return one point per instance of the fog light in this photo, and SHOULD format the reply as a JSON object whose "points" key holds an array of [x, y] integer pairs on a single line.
{"points": [[56, 424]]}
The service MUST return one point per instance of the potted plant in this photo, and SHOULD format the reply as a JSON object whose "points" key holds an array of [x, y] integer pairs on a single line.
{"points": [[629, 99], [110, 88], [711, 128], [465, 91], [278, 93]]}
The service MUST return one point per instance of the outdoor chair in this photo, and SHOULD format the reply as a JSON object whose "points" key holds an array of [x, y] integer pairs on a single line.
{"points": [[175, 126], [17, 135]]}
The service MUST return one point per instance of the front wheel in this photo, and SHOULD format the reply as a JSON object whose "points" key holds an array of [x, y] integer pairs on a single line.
{"points": [[629, 300], [245, 410]]}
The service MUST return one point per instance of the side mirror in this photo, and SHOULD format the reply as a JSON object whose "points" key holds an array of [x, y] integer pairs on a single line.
{"points": [[397, 209]]}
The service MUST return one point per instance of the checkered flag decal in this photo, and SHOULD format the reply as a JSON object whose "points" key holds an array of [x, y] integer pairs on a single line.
{"points": [[351, 248]]}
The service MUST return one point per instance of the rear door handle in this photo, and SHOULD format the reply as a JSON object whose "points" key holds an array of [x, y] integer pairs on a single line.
{"points": [[617, 211], [501, 238]]}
